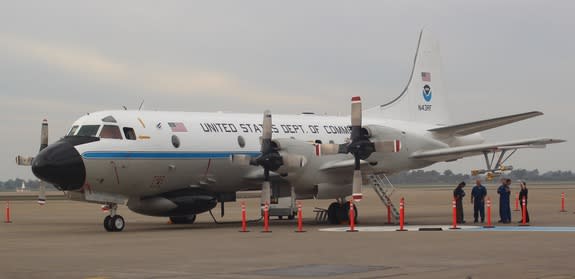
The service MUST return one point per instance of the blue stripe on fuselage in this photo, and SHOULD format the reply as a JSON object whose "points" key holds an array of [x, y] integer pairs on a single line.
{"points": [[126, 155]]}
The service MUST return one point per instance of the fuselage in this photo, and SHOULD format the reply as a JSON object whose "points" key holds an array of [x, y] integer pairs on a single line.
{"points": [[145, 153]]}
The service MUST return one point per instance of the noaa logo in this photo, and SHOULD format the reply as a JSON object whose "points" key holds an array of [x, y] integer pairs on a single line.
{"points": [[427, 93]]}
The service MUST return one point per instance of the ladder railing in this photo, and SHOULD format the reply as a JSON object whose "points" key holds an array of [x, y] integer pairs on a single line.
{"points": [[384, 189]]}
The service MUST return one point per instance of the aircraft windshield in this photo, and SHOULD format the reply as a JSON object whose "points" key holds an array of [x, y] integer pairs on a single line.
{"points": [[73, 130], [88, 131], [110, 132]]}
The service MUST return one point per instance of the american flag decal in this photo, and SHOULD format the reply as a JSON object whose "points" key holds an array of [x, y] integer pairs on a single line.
{"points": [[426, 76], [177, 127]]}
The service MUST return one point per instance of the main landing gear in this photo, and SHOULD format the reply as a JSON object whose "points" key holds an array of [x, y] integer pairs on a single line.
{"points": [[338, 212], [113, 222]]}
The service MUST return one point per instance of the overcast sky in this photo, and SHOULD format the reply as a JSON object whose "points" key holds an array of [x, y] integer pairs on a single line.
{"points": [[61, 59]]}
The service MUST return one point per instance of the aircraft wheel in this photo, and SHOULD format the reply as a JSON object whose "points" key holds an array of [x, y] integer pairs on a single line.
{"points": [[190, 219], [333, 213], [118, 223], [108, 224], [343, 213]]}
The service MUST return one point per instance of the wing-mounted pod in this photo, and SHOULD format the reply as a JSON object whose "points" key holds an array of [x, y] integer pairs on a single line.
{"points": [[360, 146]]}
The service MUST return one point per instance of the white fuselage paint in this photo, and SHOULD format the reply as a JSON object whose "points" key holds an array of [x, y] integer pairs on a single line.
{"points": [[151, 164]]}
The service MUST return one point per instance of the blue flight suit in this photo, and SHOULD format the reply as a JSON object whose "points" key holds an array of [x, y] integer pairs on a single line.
{"points": [[478, 194], [504, 199]]}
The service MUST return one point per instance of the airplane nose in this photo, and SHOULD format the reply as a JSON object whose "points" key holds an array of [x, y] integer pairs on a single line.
{"points": [[61, 165]]}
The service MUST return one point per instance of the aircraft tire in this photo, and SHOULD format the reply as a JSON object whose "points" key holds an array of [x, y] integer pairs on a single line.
{"points": [[108, 224], [117, 223], [343, 213], [333, 213]]}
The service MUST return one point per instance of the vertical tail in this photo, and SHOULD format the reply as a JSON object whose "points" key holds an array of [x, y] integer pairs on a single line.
{"points": [[424, 99]]}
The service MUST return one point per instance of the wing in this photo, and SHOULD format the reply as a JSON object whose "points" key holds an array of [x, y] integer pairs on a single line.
{"points": [[341, 164], [478, 126], [454, 153]]}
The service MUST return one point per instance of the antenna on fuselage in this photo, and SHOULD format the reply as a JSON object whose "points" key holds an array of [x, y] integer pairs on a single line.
{"points": [[141, 104]]}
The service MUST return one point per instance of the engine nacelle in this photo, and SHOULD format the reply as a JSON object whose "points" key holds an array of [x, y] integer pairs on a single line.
{"points": [[332, 191], [179, 203]]}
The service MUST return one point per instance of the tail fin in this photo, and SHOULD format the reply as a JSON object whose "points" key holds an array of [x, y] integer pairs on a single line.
{"points": [[424, 98]]}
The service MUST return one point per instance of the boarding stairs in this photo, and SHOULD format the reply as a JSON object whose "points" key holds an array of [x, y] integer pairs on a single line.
{"points": [[384, 189]]}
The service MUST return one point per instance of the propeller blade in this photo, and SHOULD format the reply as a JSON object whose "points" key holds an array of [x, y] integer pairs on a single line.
{"points": [[357, 193], [24, 161], [241, 159], [266, 193], [44, 135], [267, 125], [355, 117], [387, 146], [42, 194]]}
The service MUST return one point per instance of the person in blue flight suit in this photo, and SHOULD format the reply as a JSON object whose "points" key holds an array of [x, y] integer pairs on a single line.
{"points": [[523, 194], [458, 195], [504, 192], [478, 194]]}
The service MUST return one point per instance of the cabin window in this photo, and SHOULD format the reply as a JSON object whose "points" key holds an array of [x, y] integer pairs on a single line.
{"points": [[88, 131], [73, 130], [175, 141], [129, 133], [110, 132], [241, 142]]}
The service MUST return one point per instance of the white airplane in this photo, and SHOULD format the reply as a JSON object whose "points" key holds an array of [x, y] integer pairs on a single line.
{"points": [[179, 164]]}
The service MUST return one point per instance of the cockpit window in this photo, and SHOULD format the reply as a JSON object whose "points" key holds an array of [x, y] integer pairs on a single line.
{"points": [[109, 118], [110, 132], [73, 130], [129, 133], [88, 131]]}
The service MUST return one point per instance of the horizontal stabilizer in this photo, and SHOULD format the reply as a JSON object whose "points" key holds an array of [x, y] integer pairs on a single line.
{"points": [[478, 126], [454, 153]]}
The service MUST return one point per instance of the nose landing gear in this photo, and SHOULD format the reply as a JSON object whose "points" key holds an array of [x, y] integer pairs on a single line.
{"points": [[113, 222]]}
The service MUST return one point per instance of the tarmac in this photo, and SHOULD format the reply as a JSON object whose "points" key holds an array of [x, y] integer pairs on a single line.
{"points": [[66, 239]]}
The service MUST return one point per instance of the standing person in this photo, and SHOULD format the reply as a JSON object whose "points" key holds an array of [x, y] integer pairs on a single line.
{"points": [[478, 194], [522, 195], [504, 192], [458, 195]]}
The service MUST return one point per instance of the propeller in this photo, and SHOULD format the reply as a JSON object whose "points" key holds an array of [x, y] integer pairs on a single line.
{"points": [[271, 158], [360, 146], [27, 161]]}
